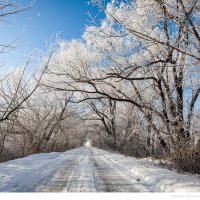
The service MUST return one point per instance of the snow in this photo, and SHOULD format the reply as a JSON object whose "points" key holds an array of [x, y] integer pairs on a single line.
{"points": [[158, 179], [25, 174], [88, 169], [164, 180], [88, 143]]}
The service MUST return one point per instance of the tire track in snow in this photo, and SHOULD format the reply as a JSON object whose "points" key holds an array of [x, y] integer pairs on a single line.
{"points": [[61, 176], [90, 170], [113, 178], [76, 176]]}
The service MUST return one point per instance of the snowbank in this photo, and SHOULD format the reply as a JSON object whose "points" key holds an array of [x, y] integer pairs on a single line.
{"points": [[164, 180], [25, 174], [155, 178]]}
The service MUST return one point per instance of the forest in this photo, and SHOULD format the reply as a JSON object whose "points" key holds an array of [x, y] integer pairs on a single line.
{"points": [[130, 84]]}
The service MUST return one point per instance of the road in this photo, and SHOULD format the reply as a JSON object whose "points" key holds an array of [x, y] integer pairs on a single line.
{"points": [[88, 169], [91, 170]]}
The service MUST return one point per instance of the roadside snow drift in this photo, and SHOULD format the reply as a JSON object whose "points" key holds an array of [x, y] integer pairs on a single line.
{"points": [[25, 174], [165, 180], [158, 179]]}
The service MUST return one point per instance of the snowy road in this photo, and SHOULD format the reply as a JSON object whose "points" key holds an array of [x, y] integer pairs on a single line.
{"points": [[89, 169]]}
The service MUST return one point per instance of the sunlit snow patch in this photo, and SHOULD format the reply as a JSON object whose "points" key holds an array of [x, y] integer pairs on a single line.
{"points": [[88, 143]]}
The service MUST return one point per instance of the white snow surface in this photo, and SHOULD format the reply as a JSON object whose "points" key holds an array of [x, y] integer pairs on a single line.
{"points": [[35, 171], [25, 174], [88, 143]]}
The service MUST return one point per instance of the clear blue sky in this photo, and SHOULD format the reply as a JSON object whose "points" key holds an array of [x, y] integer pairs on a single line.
{"points": [[38, 24]]}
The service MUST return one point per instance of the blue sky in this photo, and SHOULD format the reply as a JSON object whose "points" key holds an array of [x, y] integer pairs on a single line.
{"points": [[47, 17]]}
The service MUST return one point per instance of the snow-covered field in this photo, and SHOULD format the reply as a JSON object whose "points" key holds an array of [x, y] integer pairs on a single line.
{"points": [[89, 169]]}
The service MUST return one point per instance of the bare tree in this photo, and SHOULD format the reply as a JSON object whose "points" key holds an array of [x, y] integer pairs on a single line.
{"points": [[10, 8], [144, 53]]}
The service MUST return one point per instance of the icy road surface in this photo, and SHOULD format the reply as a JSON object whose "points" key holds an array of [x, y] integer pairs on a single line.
{"points": [[89, 169]]}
